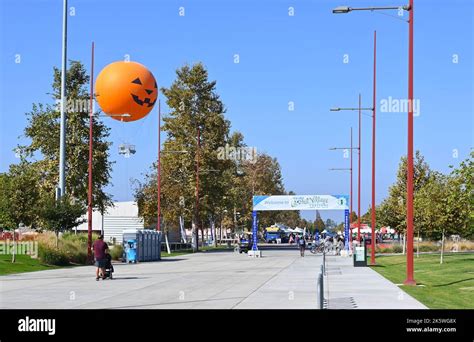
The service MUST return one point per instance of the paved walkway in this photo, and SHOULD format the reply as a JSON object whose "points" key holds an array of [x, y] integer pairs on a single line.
{"points": [[218, 280], [349, 287]]}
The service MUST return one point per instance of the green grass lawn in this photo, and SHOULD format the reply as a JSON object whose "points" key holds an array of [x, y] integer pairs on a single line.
{"points": [[23, 263], [446, 286]]}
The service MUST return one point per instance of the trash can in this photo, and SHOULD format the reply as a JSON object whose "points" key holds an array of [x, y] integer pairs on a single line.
{"points": [[131, 251], [360, 254]]}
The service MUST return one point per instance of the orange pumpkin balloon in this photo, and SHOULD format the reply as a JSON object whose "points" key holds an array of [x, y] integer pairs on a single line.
{"points": [[126, 88]]}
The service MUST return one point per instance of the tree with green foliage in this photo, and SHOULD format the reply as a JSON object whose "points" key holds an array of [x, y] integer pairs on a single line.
{"points": [[461, 197], [19, 196], [442, 208], [393, 208], [61, 215], [263, 177], [319, 223], [353, 217], [442, 203], [195, 124], [227, 183], [43, 150], [6, 222]]}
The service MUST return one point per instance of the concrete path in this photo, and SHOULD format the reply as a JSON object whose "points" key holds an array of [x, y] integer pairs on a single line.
{"points": [[349, 287], [218, 280]]}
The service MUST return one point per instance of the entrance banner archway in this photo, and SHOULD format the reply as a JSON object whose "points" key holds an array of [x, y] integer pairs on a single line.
{"points": [[300, 202]]}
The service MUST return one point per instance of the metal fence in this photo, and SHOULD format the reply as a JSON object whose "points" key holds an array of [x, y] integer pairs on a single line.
{"points": [[320, 283]]}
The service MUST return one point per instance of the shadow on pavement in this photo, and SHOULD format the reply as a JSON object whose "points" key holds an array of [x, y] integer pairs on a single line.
{"points": [[127, 278], [163, 259], [177, 303]]}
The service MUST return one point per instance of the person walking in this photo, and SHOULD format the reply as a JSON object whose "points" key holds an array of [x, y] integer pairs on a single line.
{"points": [[100, 249], [302, 245]]}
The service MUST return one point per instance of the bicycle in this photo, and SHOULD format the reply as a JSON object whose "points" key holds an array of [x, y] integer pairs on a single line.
{"points": [[317, 247]]}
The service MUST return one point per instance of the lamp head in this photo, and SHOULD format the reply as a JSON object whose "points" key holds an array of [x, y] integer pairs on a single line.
{"points": [[341, 9]]}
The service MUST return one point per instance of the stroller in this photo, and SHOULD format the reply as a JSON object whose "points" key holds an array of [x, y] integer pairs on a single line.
{"points": [[109, 268]]}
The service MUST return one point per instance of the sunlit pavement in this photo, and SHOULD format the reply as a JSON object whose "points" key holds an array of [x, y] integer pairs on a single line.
{"points": [[281, 279]]}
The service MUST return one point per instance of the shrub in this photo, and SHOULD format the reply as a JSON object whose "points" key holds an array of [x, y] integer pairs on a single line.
{"points": [[429, 248], [461, 246], [116, 252], [379, 249], [52, 256], [397, 249], [72, 247], [70, 236], [78, 257], [79, 237], [466, 246]]}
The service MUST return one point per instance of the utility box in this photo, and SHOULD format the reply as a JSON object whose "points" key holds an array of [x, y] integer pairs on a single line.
{"points": [[360, 254], [148, 243]]}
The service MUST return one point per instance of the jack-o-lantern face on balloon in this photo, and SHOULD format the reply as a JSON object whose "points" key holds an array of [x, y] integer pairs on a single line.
{"points": [[126, 88]]}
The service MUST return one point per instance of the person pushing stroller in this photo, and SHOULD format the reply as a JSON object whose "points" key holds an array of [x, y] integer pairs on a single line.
{"points": [[109, 268], [100, 249]]}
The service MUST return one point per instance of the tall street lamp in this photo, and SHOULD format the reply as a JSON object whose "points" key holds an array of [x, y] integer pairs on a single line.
{"points": [[359, 109], [91, 141], [346, 169], [410, 280], [350, 170], [61, 189], [373, 109]]}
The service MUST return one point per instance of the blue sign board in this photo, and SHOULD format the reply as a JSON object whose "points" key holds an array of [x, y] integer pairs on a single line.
{"points": [[301, 202], [254, 231], [346, 229]]}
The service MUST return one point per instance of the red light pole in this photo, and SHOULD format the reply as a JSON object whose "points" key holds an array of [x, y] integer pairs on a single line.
{"points": [[358, 174], [410, 280], [350, 217], [350, 169], [359, 109], [91, 145]]}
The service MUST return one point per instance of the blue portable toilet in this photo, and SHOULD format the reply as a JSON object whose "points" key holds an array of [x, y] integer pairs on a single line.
{"points": [[131, 250], [147, 235], [147, 244]]}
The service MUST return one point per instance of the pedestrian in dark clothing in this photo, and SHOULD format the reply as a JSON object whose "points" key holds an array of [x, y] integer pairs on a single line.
{"points": [[302, 245], [100, 249]]}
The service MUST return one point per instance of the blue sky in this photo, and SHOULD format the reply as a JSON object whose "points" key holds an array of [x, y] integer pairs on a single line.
{"points": [[282, 58]]}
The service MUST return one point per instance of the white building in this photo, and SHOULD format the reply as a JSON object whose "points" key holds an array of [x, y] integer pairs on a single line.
{"points": [[123, 215]]}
